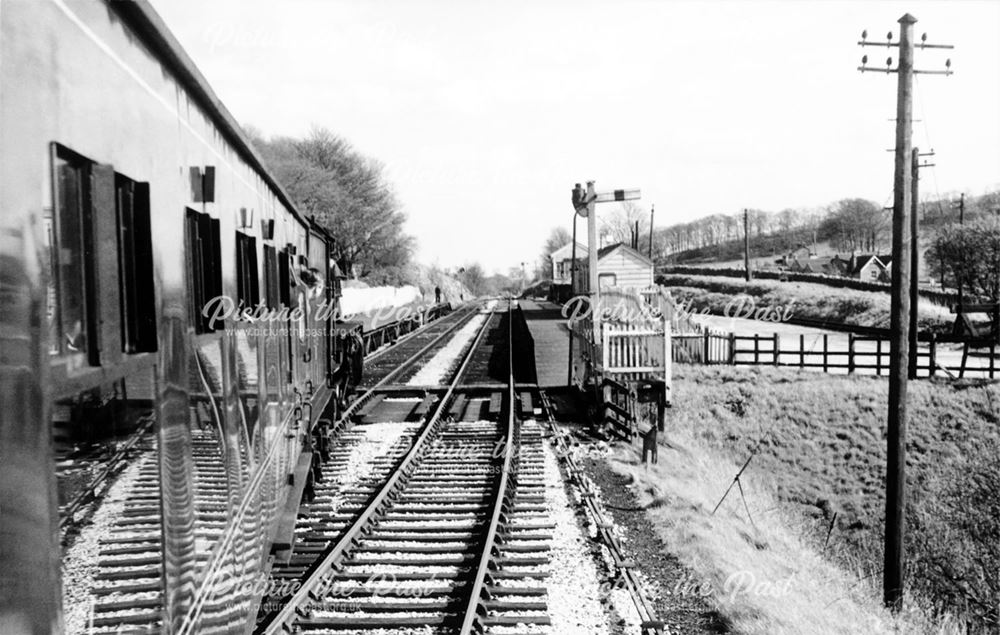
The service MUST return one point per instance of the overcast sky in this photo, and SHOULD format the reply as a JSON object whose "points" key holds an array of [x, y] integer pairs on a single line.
{"points": [[487, 113]]}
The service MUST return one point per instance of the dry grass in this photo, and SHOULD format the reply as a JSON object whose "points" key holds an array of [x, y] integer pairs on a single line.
{"points": [[819, 467], [763, 577]]}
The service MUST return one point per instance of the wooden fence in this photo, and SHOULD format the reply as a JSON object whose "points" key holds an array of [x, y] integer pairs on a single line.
{"points": [[633, 345], [828, 352], [664, 305], [629, 364], [633, 351]]}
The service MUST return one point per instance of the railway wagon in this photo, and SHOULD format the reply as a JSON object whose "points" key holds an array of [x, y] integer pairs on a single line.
{"points": [[135, 214]]}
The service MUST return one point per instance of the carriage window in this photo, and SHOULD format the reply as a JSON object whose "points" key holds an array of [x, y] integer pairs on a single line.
{"points": [[135, 266], [271, 277], [285, 297], [284, 278], [247, 284], [75, 311], [204, 267]]}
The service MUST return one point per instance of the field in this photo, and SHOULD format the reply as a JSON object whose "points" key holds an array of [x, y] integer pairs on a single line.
{"points": [[818, 446], [803, 299]]}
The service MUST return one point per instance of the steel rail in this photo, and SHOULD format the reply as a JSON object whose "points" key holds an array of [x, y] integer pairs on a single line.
{"points": [[511, 433], [312, 586], [377, 353], [407, 363], [230, 535], [647, 614], [100, 481]]}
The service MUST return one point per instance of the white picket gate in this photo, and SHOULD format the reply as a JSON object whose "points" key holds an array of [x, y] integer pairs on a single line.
{"points": [[634, 344], [635, 348]]}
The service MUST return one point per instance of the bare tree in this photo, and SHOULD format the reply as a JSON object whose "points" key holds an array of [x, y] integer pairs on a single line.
{"points": [[346, 192], [619, 224], [473, 277], [968, 255], [558, 237], [856, 224]]}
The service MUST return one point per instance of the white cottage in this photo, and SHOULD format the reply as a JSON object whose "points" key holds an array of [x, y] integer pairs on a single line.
{"points": [[617, 266]]}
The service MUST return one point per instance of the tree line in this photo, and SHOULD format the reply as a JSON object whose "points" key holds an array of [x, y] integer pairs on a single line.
{"points": [[967, 256], [955, 254], [348, 194], [851, 224]]}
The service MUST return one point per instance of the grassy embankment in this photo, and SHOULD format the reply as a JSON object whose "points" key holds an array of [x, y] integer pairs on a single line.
{"points": [[814, 490], [807, 300]]}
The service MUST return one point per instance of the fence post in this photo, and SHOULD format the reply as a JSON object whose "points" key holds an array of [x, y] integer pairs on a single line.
{"points": [[732, 349], [605, 344], [993, 358], [607, 396], [756, 349], [850, 353], [706, 352], [777, 349], [932, 356], [802, 350], [826, 350], [878, 357], [668, 365]]}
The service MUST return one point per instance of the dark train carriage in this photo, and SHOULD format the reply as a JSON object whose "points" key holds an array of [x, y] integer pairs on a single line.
{"points": [[136, 219]]}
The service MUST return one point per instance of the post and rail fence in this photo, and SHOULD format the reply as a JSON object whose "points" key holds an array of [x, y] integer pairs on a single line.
{"points": [[829, 352]]}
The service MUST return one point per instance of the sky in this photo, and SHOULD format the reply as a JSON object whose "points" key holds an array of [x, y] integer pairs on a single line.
{"points": [[485, 114]]}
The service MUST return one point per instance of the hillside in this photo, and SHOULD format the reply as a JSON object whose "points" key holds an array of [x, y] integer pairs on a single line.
{"points": [[803, 299], [818, 447], [850, 224], [763, 250]]}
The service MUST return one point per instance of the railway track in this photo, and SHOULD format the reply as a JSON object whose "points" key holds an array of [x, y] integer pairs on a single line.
{"points": [[432, 515], [99, 468], [119, 566], [125, 569], [446, 533], [398, 361], [623, 569]]}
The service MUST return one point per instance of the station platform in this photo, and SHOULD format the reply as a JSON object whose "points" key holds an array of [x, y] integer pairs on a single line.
{"points": [[551, 337]]}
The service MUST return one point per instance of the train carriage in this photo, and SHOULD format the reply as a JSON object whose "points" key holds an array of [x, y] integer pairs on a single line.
{"points": [[135, 213]]}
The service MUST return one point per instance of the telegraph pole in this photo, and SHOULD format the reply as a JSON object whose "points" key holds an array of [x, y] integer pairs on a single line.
{"points": [[961, 221], [915, 256], [592, 290], [746, 243], [652, 208], [892, 582], [895, 498]]}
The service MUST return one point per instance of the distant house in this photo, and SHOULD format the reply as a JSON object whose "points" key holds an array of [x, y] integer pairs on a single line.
{"points": [[562, 262], [842, 264], [866, 267], [799, 253], [617, 266], [827, 265]]}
